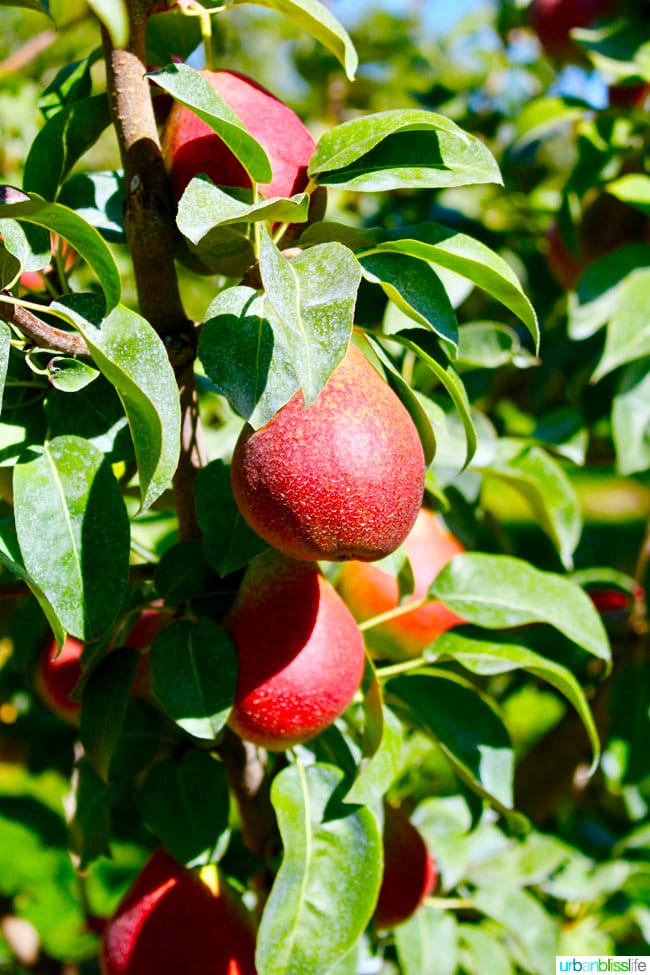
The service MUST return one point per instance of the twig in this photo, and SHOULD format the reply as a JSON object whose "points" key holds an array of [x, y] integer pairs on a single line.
{"points": [[41, 334]]}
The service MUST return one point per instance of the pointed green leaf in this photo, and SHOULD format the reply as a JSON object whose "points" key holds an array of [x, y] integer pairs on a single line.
{"points": [[331, 869], [132, 357], [84, 239], [469, 732], [401, 148], [194, 667], [549, 492], [468, 257], [185, 801], [114, 16], [490, 345], [525, 920], [73, 532], [103, 707], [601, 287], [628, 333], [204, 206], [482, 951], [245, 357], [484, 656], [90, 829], [633, 188], [189, 88], [631, 419], [228, 541], [99, 198], [416, 290], [10, 558], [313, 298], [62, 141], [315, 19], [70, 375], [412, 401], [497, 591], [427, 944]]}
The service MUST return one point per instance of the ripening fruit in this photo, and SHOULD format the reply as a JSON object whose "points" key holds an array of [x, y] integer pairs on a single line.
{"points": [[553, 21], [57, 676], [171, 923], [300, 652], [191, 147], [342, 479], [410, 872], [370, 591]]}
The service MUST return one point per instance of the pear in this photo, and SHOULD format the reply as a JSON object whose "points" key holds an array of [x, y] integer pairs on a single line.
{"points": [[300, 652], [410, 872], [341, 479], [170, 921]]}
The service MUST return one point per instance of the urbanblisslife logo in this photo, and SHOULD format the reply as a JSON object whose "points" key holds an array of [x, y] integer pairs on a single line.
{"points": [[584, 964]]}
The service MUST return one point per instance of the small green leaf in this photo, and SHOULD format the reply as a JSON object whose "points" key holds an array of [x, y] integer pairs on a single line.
{"points": [[497, 591], [416, 290], [631, 419], [542, 482], [468, 257], [633, 188], [411, 401], [84, 239], [245, 357], [70, 84], [194, 667], [313, 298], [228, 541], [628, 333], [490, 345], [99, 198], [484, 656], [427, 944], [331, 869], [73, 531], [10, 559], [401, 148], [525, 920], [62, 141], [601, 288], [90, 829], [132, 357], [103, 709], [114, 17], [483, 950], [185, 802], [183, 571], [42, 6], [204, 206], [70, 375], [189, 88], [540, 117], [467, 729], [316, 20]]}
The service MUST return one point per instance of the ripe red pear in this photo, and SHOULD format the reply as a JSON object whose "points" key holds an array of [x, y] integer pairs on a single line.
{"points": [[553, 21], [57, 676], [300, 652], [370, 591], [191, 147], [341, 479], [170, 922], [410, 872]]}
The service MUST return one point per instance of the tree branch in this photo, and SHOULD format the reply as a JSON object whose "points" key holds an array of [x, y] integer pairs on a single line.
{"points": [[41, 334]]}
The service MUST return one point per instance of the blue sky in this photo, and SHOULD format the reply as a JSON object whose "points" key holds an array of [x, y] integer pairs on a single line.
{"points": [[439, 15]]}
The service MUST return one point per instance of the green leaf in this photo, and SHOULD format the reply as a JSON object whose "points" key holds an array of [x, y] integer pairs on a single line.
{"points": [[30, 246], [631, 419], [490, 345], [331, 869], [466, 256], [10, 558], [5, 349], [84, 239], [487, 657], [401, 148], [411, 400], [104, 705], [540, 117], [482, 951], [185, 802], [99, 198], [90, 829], [381, 744], [628, 333], [313, 298], [416, 290], [317, 21], [73, 531], [183, 571], [114, 17], [602, 288], [467, 729], [71, 83], [497, 591], [633, 188], [189, 88], [534, 931], [194, 667], [132, 357], [70, 375], [228, 541], [542, 482], [62, 141], [204, 206], [42, 6], [245, 356], [427, 944]]}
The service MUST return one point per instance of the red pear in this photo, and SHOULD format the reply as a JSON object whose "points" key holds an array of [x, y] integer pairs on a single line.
{"points": [[170, 922], [301, 654], [370, 591], [341, 479], [553, 21], [191, 147], [57, 677], [410, 872]]}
